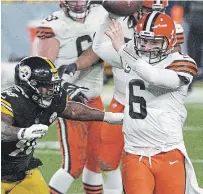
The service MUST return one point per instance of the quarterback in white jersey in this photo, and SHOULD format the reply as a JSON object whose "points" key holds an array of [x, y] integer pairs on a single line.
{"points": [[63, 36], [111, 135], [155, 159]]}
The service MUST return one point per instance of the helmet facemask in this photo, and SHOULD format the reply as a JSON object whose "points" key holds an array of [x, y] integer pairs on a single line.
{"points": [[76, 9], [45, 92], [150, 48]]}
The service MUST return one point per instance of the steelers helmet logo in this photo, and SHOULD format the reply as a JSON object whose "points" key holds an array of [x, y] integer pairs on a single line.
{"points": [[24, 73]]}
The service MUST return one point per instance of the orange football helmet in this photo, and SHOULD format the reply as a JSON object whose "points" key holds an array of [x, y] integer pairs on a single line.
{"points": [[152, 5], [157, 5], [155, 36]]}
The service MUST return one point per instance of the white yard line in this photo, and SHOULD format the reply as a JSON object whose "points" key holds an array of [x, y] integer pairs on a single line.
{"points": [[56, 152], [197, 161], [49, 145], [191, 128]]}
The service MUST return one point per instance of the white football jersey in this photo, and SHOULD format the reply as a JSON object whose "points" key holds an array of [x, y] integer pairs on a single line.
{"points": [[74, 38], [119, 78], [154, 116]]}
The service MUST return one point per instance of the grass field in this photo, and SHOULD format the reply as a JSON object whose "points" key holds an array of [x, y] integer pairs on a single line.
{"points": [[193, 134]]}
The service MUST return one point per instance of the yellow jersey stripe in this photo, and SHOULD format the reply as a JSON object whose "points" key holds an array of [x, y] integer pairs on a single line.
{"points": [[51, 65], [7, 103], [8, 107], [6, 111]]}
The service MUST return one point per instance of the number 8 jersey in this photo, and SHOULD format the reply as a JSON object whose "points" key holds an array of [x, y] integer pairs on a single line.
{"points": [[74, 38]]}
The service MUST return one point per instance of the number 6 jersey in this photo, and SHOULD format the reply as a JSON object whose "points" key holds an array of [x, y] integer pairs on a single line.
{"points": [[74, 38], [155, 115]]}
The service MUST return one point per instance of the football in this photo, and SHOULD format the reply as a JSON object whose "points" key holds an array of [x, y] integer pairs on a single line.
{"points": [[122, 7]]}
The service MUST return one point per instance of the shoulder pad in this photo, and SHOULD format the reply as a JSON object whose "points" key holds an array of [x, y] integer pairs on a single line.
{"points": [[6, 105], [9, 93], [45, 29], [44, 32], [184, 64], [55, 25]]}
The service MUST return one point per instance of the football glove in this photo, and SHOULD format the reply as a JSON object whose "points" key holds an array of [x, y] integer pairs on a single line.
{"points": [[75, 93], [67, 69], [32, 132]]}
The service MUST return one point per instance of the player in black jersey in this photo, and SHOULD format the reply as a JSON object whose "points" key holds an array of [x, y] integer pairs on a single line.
{"points": [[27, 109]]}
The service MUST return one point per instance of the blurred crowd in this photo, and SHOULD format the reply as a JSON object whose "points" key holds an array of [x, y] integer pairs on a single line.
{"points": [[190, 13]]}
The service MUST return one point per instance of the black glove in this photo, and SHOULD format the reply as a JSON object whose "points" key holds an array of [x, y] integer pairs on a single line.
{"points": [[67, 69], [76, 92]]}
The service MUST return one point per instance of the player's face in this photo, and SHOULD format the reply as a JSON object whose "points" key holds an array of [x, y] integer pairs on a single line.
{"points": [[47, 91], [78, 6], [148, 46], [150, 49]]}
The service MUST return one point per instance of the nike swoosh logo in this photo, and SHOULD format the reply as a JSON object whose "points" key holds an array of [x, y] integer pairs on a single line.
{"points": [[171, 163]]}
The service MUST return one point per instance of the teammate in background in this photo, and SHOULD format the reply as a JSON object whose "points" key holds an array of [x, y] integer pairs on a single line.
{"points": [[111, 143], [27, 109], [110, 147], [63, 37], [155, 159], [156, 5]]}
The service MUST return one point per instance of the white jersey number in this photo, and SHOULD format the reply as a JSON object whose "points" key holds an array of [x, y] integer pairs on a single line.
{"points": [[137, 99], [24, 146]]}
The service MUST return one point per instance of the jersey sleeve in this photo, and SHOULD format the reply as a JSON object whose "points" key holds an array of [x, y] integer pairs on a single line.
{"points": [[50, 27], [6, 107], [55, 25], [102, 45], [44, 32], [184, 67], [44, 28]]}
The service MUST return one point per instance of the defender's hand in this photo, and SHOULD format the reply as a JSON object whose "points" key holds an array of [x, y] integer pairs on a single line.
{"points": [[32, 132], [67, 69], [76, 92], [116, 35]]}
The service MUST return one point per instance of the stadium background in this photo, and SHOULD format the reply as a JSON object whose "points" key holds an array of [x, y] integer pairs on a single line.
{"points": [[15, 43]]}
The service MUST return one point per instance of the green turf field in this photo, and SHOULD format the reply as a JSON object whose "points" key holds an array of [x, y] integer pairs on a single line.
{"points": [[193, 135]]}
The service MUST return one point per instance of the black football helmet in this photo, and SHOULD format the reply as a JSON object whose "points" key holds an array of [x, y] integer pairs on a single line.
{"points": [[39, 79]]}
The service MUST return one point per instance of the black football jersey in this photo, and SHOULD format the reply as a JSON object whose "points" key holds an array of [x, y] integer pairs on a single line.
{"points": [[17, 156]]}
